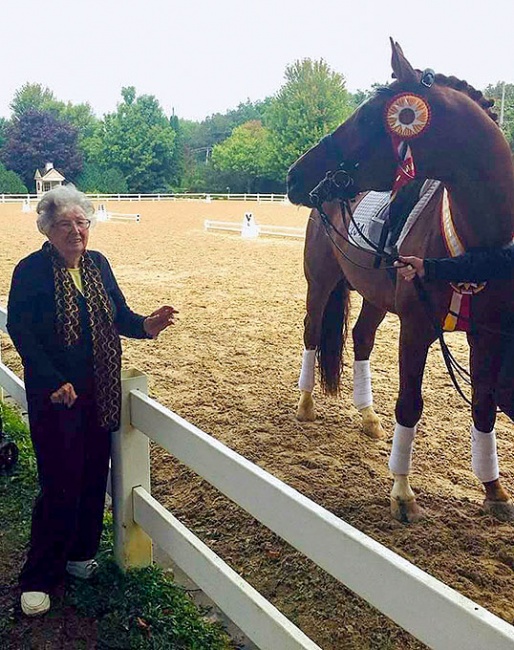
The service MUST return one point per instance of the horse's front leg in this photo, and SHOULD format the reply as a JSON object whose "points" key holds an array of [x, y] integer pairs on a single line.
{"points": [[363, 335], [409, 406], [486, 356]]}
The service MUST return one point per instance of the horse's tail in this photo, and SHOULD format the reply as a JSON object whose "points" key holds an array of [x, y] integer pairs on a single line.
{"points": [[334, 328]]}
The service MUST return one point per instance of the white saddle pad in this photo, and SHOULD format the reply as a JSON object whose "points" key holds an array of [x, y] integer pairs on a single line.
{"points": [[369, 216]]}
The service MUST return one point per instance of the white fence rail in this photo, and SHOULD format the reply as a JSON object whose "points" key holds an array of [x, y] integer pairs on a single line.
{"points": [[123, 216], [437, 615], [198, 196], [291, 232]]}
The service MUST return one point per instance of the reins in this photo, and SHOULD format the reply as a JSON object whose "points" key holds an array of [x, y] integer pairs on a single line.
{"points": [[329, 188]]}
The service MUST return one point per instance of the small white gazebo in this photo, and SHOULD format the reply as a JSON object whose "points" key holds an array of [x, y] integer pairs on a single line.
{"points": [[47, 180]]}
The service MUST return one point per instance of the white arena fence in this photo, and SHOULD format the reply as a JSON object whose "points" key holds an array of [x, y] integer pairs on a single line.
{"points": [[121, 216], [200, 196], [263, 229], [431, 611]]}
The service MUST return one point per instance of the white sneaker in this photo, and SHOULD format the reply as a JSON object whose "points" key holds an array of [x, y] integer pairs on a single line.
{"points": [[35, 603], [83, 569]]}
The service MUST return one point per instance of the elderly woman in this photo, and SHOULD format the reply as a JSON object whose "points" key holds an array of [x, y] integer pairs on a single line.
{"points": [[65, 316]]}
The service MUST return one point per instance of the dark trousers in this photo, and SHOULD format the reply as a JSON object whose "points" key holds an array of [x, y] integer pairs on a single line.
{"points": [[505, 389], [72, 455]]}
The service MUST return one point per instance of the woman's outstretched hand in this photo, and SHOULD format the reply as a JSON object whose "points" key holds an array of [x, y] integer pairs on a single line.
{"points": [[159, 320], [409, 266]]}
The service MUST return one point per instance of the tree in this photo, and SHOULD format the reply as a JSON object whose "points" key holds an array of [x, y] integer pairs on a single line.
{"points": [[178, 161], [10, 182], [88, 127], [98, 180], [246, 152], [496, 92], [36, 138], [360, 96], [3, 129], [34, 97], [138, 140], [312, 102]]}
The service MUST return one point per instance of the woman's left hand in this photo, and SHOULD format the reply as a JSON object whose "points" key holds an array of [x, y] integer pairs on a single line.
{"points": [[159, 320], [410, 266]]}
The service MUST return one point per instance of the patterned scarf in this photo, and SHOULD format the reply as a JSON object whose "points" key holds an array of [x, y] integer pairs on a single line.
{"points": [[105, 339]]}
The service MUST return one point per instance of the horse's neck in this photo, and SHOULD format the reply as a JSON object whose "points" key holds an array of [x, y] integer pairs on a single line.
{"points": [[484, 214]]}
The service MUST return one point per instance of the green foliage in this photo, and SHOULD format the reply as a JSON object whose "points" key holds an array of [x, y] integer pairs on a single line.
{"points": [[197, 140], [97, 180], [177, 167], [10, 182], [17, 430], [139, 141], [219, 127], [312, 102], [38, 137], [34, 97], [247, 152], [3, 128], [19, 487], [361, 96], [496, 92], [143, 608], [88, 127]]}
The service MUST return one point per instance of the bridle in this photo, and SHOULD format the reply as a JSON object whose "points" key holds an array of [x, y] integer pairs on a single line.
{"points": [[339, 185]]}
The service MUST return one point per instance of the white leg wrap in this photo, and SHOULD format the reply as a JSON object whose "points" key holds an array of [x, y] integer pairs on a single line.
{"points": [[307, 373], [484, 459], [362, 393], [401, 452]]}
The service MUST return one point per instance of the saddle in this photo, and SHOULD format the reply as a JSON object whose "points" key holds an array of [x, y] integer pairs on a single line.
{"points": [[385, 223]]}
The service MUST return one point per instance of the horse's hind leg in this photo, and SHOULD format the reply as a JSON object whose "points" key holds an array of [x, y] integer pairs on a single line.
{"points": [[363, 335], [318, 294], [486, 355]]}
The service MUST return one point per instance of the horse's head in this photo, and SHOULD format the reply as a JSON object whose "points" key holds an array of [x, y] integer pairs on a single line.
{"points": [[439, 118]]}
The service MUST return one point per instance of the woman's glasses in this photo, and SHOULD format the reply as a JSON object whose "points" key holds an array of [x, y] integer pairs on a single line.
{"points": [[66, 225]]}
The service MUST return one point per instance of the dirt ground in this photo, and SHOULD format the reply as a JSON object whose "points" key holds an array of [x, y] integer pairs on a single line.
{"points": [[230, 366]]}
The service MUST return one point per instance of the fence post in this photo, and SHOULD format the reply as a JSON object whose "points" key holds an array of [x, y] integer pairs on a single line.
{"points": [[130, 467]]}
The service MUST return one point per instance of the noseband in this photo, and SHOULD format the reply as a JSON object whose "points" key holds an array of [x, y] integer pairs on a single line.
{"points": [[338, 183]]}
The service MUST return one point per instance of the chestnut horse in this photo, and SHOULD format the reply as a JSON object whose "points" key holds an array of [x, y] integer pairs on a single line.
{"points": [[433, 127]]}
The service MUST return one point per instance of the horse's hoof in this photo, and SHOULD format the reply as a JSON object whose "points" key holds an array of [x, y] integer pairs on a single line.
{"points": [[406, 511], [502, 510], [371, 425], [306, 411], [306, 414], [373, 430]]}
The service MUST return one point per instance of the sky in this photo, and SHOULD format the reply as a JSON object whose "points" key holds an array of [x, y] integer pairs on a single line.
{"points": [[200, 57]]}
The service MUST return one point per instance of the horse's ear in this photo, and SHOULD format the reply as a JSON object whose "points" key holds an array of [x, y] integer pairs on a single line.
{"points": [[402, 69]]}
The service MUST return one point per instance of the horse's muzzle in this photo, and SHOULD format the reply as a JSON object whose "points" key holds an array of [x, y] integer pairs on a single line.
{"points": [[296, 191]]}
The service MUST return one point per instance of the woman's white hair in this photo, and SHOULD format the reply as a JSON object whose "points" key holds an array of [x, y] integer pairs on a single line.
{"points": [[57, 201]]}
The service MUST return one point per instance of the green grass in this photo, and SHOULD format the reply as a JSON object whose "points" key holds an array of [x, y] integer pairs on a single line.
{"points": [[140, 609]]}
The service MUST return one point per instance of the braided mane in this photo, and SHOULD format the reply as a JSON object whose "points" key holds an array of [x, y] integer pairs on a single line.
{"points": [[476, 95]]}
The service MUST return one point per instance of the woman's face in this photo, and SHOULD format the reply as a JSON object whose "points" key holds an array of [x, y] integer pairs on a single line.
{"points": [[69, 233]]}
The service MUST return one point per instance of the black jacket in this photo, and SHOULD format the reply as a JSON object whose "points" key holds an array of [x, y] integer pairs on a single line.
{"points": [[47, 362], [475, 266]]}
